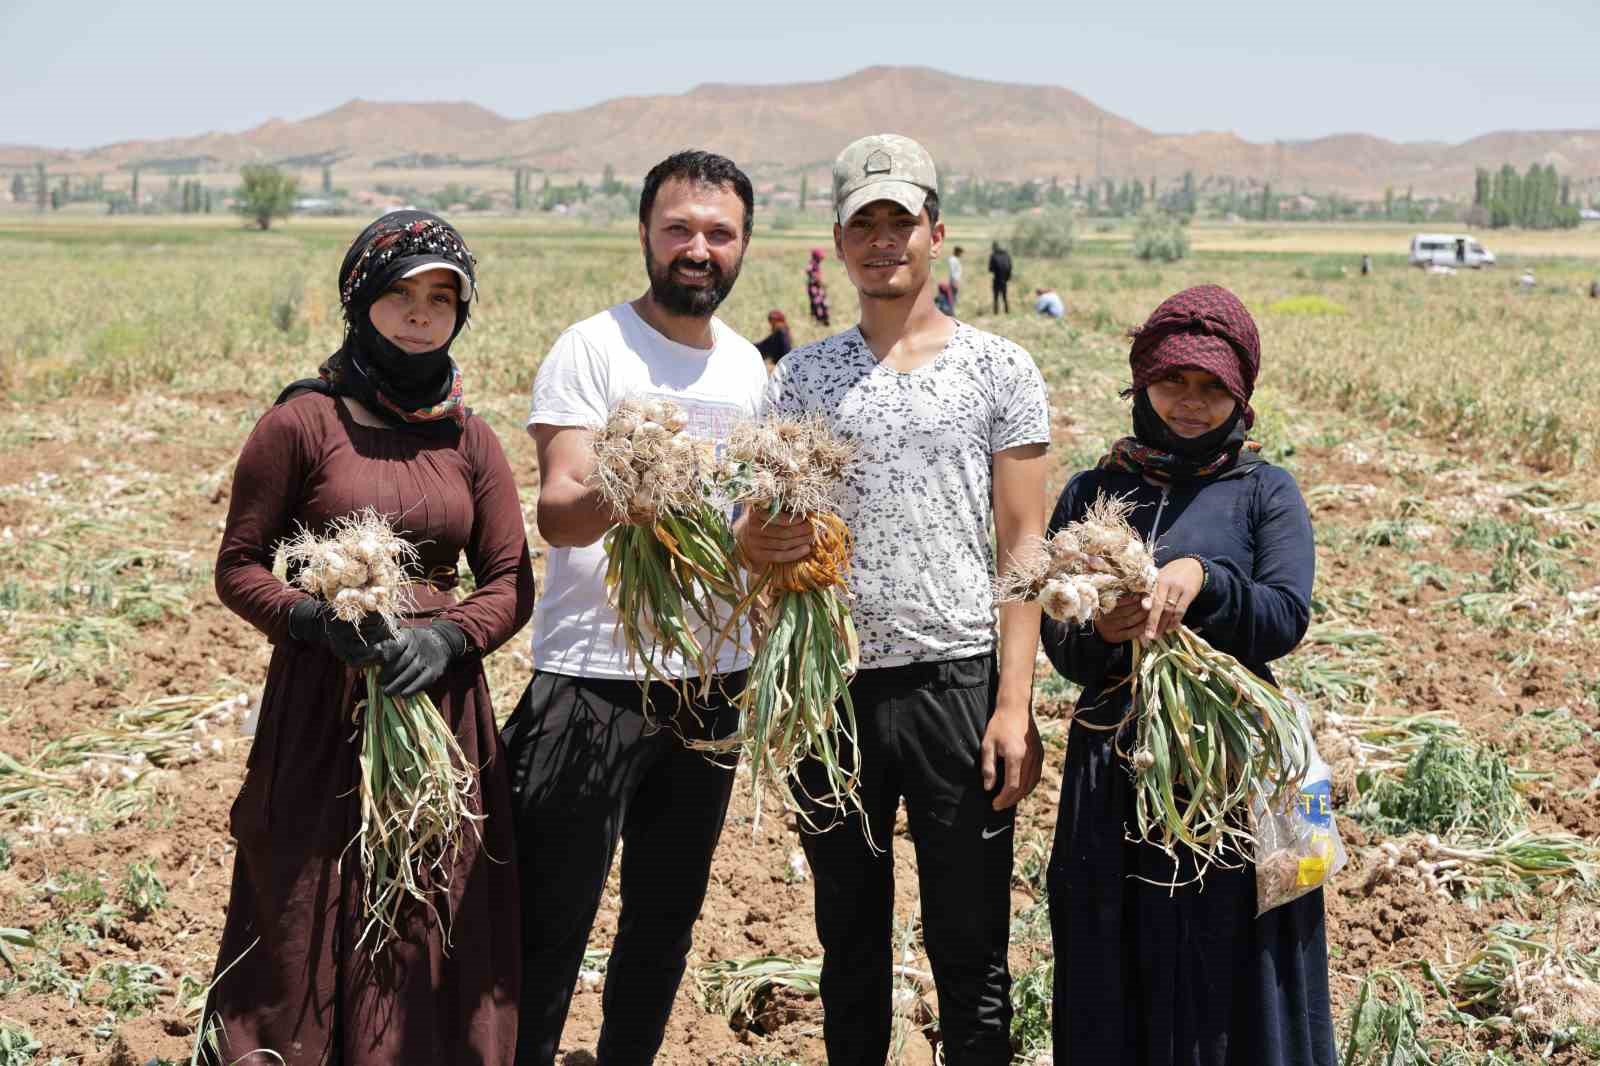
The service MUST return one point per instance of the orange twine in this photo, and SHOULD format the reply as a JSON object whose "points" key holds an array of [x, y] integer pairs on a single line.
{"points": [[827, 565]]}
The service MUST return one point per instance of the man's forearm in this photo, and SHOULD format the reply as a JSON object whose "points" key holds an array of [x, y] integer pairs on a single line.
{"points": [[1018, 521], [1019, 646], [573, 516]]}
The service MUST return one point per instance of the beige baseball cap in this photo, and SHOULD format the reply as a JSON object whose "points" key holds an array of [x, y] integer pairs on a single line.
{"points": [[884, 166], [463, 283]]}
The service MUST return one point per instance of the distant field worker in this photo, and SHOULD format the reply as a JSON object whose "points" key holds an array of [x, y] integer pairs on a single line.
{"points": [[1594, 289], [385, 426], [816, 288], [1048, 303], [777, 344], [1000, 272], [955, 276]]}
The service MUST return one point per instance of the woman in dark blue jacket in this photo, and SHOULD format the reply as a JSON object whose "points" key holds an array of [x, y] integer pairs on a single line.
{"points": [[1147, 973]]}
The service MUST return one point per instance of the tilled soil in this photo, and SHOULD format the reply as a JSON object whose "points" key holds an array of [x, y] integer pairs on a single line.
{"points": [[759, 902]]}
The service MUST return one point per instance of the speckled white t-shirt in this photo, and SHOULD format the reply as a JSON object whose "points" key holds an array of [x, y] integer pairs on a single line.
{"points": [[918, 496]]}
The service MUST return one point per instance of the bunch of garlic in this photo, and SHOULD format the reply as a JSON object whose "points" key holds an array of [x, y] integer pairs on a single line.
{"points": [[358, 567], [645, 462], [1078, 597], [797, 463], [1417, 860], [1085, 568], [647, 419]]}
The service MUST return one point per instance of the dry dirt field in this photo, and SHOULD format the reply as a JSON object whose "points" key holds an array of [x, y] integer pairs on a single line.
{"points": [[1441, 428]]}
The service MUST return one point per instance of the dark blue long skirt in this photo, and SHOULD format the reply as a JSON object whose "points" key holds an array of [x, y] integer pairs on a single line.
{"points": [[1149, 976]]}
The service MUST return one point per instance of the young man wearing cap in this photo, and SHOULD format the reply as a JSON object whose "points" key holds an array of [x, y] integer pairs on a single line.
{"points": [[946, 419], [587, 766]]}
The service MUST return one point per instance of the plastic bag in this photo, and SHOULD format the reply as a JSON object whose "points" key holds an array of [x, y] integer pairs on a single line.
{"points": [[1298, 847]]}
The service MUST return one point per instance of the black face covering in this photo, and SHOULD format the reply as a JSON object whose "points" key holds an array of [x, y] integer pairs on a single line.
{"points": [[410, 380], [1152, 430], [1165, 454]]}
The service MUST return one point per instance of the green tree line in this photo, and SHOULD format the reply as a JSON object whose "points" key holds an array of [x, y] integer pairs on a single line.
{"points": [[1539, 199]]}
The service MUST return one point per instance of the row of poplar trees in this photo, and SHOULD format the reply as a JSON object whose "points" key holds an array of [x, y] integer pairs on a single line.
{"points": [[1539, 199]]}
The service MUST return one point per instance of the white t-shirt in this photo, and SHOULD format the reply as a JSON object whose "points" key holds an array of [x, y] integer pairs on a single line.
{"points": [[918, 495], [594, 366], [955, 270]]}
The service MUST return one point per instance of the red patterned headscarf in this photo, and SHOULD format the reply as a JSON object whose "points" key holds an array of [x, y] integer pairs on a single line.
{"points": [[1203, 328]]}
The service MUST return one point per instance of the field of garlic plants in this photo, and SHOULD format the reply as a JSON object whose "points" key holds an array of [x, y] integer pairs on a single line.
{"points": [[1443, 430]]}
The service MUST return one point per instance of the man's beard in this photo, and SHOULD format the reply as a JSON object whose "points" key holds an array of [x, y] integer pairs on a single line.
{"points": [[685, 299]]}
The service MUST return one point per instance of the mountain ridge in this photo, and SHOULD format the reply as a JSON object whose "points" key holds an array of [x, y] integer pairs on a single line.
{"points": [[973, 127]]}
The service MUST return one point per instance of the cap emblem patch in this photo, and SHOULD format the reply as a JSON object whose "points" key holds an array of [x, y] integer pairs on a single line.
{"points": [[879, 162]]}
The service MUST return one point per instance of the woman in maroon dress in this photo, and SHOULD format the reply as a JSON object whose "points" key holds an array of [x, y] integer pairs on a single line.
{"points": [[384, 427]]}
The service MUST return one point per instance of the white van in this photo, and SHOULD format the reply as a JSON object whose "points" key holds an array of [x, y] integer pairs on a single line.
{"points": [[1447, 249]]}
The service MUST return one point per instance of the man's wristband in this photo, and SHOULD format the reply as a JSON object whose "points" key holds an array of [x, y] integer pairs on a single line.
{"points": [[1205, 571]]}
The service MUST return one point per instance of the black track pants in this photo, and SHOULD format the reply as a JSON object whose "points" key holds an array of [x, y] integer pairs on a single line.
{"points": [[1001, 296], [920, 728], [586, 769]]}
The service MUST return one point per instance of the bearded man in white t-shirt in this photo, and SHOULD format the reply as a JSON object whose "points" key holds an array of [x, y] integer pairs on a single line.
{"points": [[587, 765], [950, 426]]}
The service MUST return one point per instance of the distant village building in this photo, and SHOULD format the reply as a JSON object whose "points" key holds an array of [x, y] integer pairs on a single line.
{"points": [[381, 203], [317, 205]]}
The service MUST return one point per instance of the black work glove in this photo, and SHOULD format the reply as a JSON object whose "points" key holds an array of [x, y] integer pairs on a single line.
{"points": [[352, 644], [419, 656]]}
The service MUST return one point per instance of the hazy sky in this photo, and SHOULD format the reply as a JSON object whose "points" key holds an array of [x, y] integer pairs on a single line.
{"points": [[91, 72]]}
